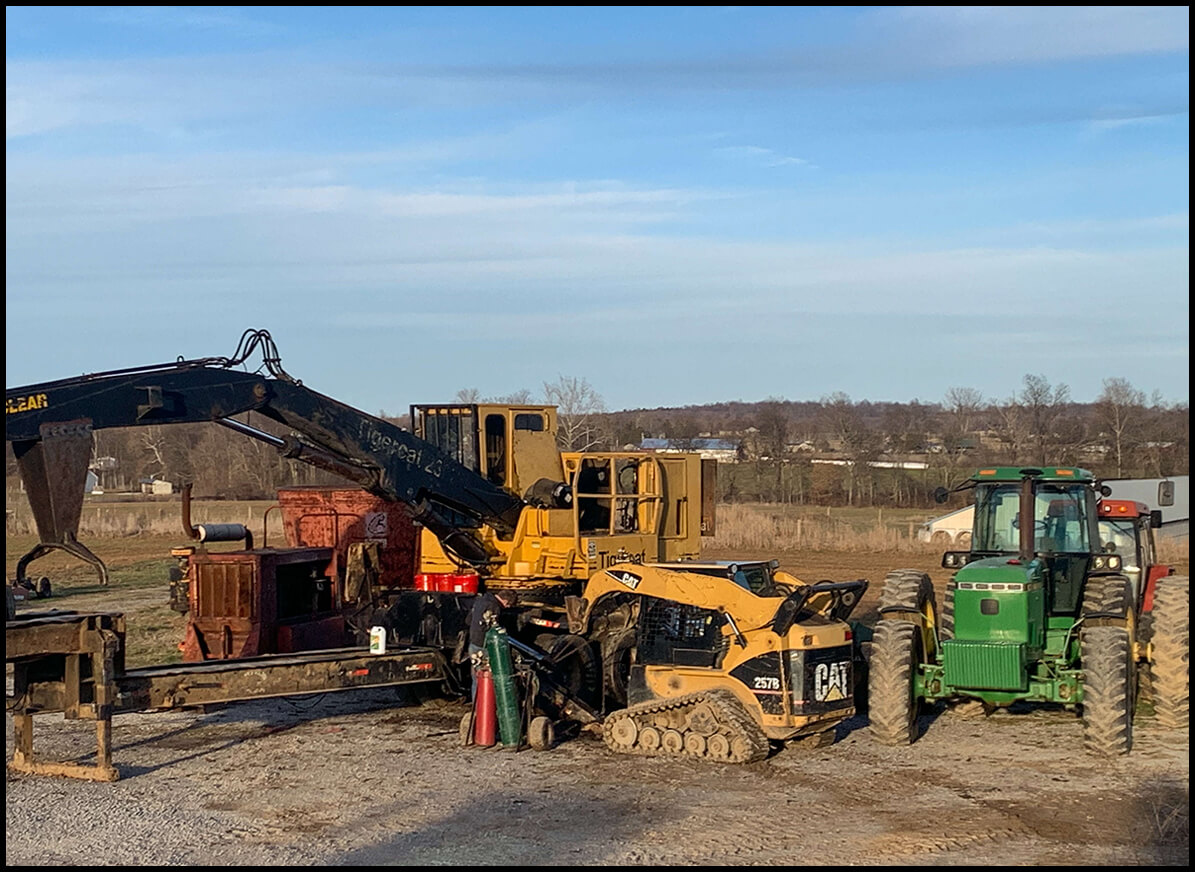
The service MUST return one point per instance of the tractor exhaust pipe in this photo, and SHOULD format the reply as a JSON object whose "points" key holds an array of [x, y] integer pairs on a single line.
{"points": [[1027, 539]]}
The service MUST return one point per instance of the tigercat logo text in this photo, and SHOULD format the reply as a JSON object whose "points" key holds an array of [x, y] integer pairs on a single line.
{"points": [[25, 404]]}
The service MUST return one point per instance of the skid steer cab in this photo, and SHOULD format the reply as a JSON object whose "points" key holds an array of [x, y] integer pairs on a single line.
{"points": [[717, 660], [1039, 610]]}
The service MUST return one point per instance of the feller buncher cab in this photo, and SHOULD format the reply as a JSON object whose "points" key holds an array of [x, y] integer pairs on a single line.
{"points": [[586, 511], [717, 660], [1037, 611]]}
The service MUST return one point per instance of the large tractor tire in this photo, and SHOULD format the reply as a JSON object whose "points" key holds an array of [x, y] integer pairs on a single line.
{"points": [[908, 595], [1107, 654], [907, 590], [1107, 595], [946, 624], [1170, 666], [892, 701], [1108, 602]]}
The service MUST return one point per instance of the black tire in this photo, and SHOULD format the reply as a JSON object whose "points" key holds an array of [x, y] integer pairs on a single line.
{"points": [[617, 651], [1170, 667], [892, 703], [908, 595], [1107, 691], [908, 590], [946, 626], [1107, 595], [44, 590], [578, 668]]}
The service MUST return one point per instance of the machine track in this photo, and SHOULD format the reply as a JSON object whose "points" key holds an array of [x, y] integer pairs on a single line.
{"points": [[711, 726]]}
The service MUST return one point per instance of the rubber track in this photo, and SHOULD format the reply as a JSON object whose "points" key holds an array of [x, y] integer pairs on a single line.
{"points": [[734, 721], [1170, 669]]}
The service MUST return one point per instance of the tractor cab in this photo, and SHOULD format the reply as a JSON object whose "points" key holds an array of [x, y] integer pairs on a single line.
{"points": [[1126, 528], [1059, 536]]}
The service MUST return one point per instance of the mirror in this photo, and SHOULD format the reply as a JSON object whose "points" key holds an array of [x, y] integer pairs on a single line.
{"points": [[1166, 493]]}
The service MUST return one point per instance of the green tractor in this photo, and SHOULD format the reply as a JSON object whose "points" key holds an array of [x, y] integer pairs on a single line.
{"points": [[1037, 611]]}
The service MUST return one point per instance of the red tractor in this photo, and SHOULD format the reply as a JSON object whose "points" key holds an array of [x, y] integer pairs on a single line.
{"points": [[1127, 528]]}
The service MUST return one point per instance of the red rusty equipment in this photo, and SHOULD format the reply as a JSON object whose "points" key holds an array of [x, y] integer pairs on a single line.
{"points": [[330, 517]]}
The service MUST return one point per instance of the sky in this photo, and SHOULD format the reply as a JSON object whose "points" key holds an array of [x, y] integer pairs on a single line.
{"points": [[680, 205]]}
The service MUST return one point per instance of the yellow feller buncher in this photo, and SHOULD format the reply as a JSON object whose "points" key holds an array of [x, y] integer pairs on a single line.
{"points": [[717, 660]]}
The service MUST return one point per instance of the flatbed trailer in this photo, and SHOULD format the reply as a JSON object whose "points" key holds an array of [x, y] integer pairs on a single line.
{"points": [[72, 663]]}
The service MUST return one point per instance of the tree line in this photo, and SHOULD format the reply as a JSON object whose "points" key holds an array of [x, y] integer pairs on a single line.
{"points": [[832, 451]]}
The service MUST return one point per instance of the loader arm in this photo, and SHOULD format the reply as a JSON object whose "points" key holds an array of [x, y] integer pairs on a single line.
{"points": [[50, 426]]}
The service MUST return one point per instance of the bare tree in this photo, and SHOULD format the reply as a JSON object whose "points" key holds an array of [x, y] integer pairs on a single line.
{"points": [[772, 423], [155, 441], [518, 398], [964, 406], [578, 409], [1012, 428], [468, 396], [1120, 410], [1043, 405], [842, 421]]}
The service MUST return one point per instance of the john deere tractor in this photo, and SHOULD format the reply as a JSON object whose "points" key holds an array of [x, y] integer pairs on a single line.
{"points": [[1036, 611]]}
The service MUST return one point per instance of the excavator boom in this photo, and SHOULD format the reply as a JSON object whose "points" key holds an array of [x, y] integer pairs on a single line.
{"points": [[50, 426]]}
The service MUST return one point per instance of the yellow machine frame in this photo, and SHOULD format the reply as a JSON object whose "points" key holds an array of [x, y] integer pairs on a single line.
{"points": [[626, 506]]}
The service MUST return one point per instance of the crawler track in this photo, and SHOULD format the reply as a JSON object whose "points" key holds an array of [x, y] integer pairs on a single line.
{"points": [[709, 726]]}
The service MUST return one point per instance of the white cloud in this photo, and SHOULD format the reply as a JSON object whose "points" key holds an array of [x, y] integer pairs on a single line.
{"points": [[760, 155]]}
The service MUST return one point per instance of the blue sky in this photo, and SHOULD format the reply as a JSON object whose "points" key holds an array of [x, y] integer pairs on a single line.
{"points": [[680, 205]]}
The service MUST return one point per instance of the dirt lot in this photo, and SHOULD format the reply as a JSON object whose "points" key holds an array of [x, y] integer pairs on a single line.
{"points": [[379, 778]]}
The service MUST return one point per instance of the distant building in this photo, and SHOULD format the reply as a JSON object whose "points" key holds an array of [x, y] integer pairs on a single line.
{"points": [[156, 486], [949, 529], [722, 450]]}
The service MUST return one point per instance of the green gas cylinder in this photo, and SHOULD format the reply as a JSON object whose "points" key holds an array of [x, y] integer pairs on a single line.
{"points": [[506, 696]]}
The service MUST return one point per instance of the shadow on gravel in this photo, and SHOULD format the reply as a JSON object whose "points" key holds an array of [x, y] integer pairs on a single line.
{"points": [[509, 827], [1161, 822], [226, 726]]}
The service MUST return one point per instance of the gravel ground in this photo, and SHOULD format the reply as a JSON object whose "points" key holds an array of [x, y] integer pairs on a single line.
{"points": [[373, 778]]}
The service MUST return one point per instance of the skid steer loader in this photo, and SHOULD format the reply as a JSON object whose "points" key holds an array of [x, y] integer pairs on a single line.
{"points": [[716, 660]]}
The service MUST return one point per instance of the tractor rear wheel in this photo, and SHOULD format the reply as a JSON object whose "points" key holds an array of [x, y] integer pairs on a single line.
{"points": [[1170, 667], [908, 595], [908, 590], [946, 629], [1107, 654], [1107, 595], [891, 689]]}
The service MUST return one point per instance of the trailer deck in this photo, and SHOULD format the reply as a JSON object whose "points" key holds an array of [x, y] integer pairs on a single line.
{"points": [[73, 663]]}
